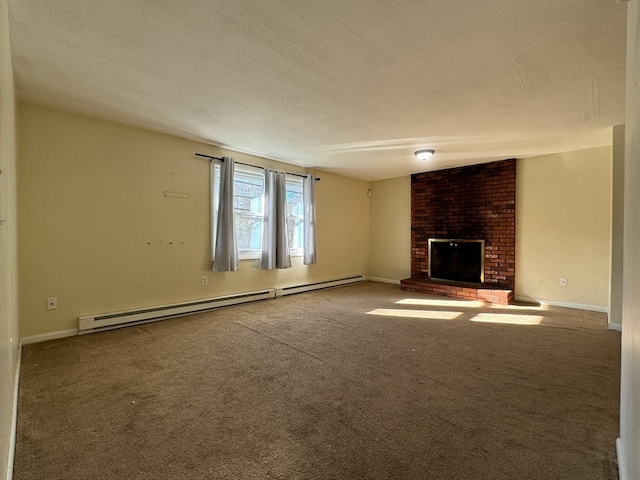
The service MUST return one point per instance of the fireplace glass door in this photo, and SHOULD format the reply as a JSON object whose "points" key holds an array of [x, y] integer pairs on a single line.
{"points": [[456, 260]]}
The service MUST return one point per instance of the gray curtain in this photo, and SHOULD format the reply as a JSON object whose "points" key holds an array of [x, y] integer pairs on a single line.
{"points": [[309, 245], [226, 258], [275, 237]]}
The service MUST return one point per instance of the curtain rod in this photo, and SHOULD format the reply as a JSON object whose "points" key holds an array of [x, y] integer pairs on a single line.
{"points": [[317, 179]]}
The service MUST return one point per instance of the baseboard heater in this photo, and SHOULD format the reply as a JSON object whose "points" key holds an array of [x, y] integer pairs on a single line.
{"points": [[109, 321], [280, 292]]}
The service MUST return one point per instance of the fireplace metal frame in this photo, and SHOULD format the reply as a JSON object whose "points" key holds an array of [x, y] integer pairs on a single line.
{"points": [[457, 240]]}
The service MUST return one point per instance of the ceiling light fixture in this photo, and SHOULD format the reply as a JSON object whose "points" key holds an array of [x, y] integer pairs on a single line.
{"points": [[424, 153]]}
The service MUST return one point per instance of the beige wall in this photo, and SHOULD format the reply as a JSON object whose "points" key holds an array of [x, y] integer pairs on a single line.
{"points": [[629, 447], [8, 247], [563, 227], [390, 232], [617, 227], [97, 232]]}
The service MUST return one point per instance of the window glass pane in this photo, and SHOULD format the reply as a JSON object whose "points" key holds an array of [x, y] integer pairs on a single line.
{"points": [[247, 202], [295, 205], [248, 194], [295, 211], [248, 232], [295, 229]]}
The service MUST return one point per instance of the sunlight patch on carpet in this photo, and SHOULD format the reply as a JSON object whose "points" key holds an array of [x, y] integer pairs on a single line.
{"points": [[428, 314], [508, 318]]}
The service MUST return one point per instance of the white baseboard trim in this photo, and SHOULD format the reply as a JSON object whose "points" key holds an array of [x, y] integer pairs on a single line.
{"points": [[49, 336], [615, 326], [622, 467], [382, 280], [277, 291], [579, 306], [14, 418]]}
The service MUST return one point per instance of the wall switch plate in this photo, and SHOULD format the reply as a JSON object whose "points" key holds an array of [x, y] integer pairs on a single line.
{"points": [[563, 282], [205, 280], [52, 303]]}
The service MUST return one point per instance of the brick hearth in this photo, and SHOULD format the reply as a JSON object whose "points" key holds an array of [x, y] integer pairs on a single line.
{"points": [[467, 292], [475, 202]]}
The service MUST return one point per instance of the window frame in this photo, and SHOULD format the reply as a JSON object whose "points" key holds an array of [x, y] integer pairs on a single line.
{"points": [[256, 173], [298, 181]]}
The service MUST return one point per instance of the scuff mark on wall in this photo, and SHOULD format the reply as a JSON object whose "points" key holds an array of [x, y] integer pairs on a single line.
{"points": [[523, 75]]}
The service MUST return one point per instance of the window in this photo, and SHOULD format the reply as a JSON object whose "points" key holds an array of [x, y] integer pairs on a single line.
{"points": [[295, 214], [247, 205], [248, 208]]}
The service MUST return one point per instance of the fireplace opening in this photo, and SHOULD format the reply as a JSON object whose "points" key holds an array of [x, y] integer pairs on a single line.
{"points": [[456, 260]]}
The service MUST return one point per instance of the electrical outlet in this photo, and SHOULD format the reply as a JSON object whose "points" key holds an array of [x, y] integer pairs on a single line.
{"points": [[52, 303], [205, 280], [563, 282], [348, 264]]}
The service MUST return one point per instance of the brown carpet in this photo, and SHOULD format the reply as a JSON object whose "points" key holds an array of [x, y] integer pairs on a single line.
{"points": [[311, 386]]}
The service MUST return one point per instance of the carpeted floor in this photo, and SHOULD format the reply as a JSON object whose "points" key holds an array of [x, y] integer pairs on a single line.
{"points": [[359, 382]]}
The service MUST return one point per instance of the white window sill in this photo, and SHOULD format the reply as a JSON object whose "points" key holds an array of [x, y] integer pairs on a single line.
{"points": [[258, 255]]}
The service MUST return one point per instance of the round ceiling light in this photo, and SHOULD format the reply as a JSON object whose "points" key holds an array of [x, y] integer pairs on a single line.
{"points": [[424, 153]]}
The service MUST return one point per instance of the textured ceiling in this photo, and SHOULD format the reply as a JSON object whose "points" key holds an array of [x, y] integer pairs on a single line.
{"points": [[350, 86]]}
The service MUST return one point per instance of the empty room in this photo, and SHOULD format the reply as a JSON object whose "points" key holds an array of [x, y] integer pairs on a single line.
{"points": [[345, 239]]}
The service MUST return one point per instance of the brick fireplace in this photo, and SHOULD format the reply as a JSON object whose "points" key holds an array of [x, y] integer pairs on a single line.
{"points": [[467, 203]]}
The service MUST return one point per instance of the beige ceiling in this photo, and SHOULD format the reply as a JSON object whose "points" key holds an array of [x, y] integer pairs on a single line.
{"points": [[350, 86]]}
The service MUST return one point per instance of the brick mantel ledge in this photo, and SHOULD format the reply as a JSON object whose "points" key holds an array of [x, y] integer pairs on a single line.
{"points": [[486, 293]]}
